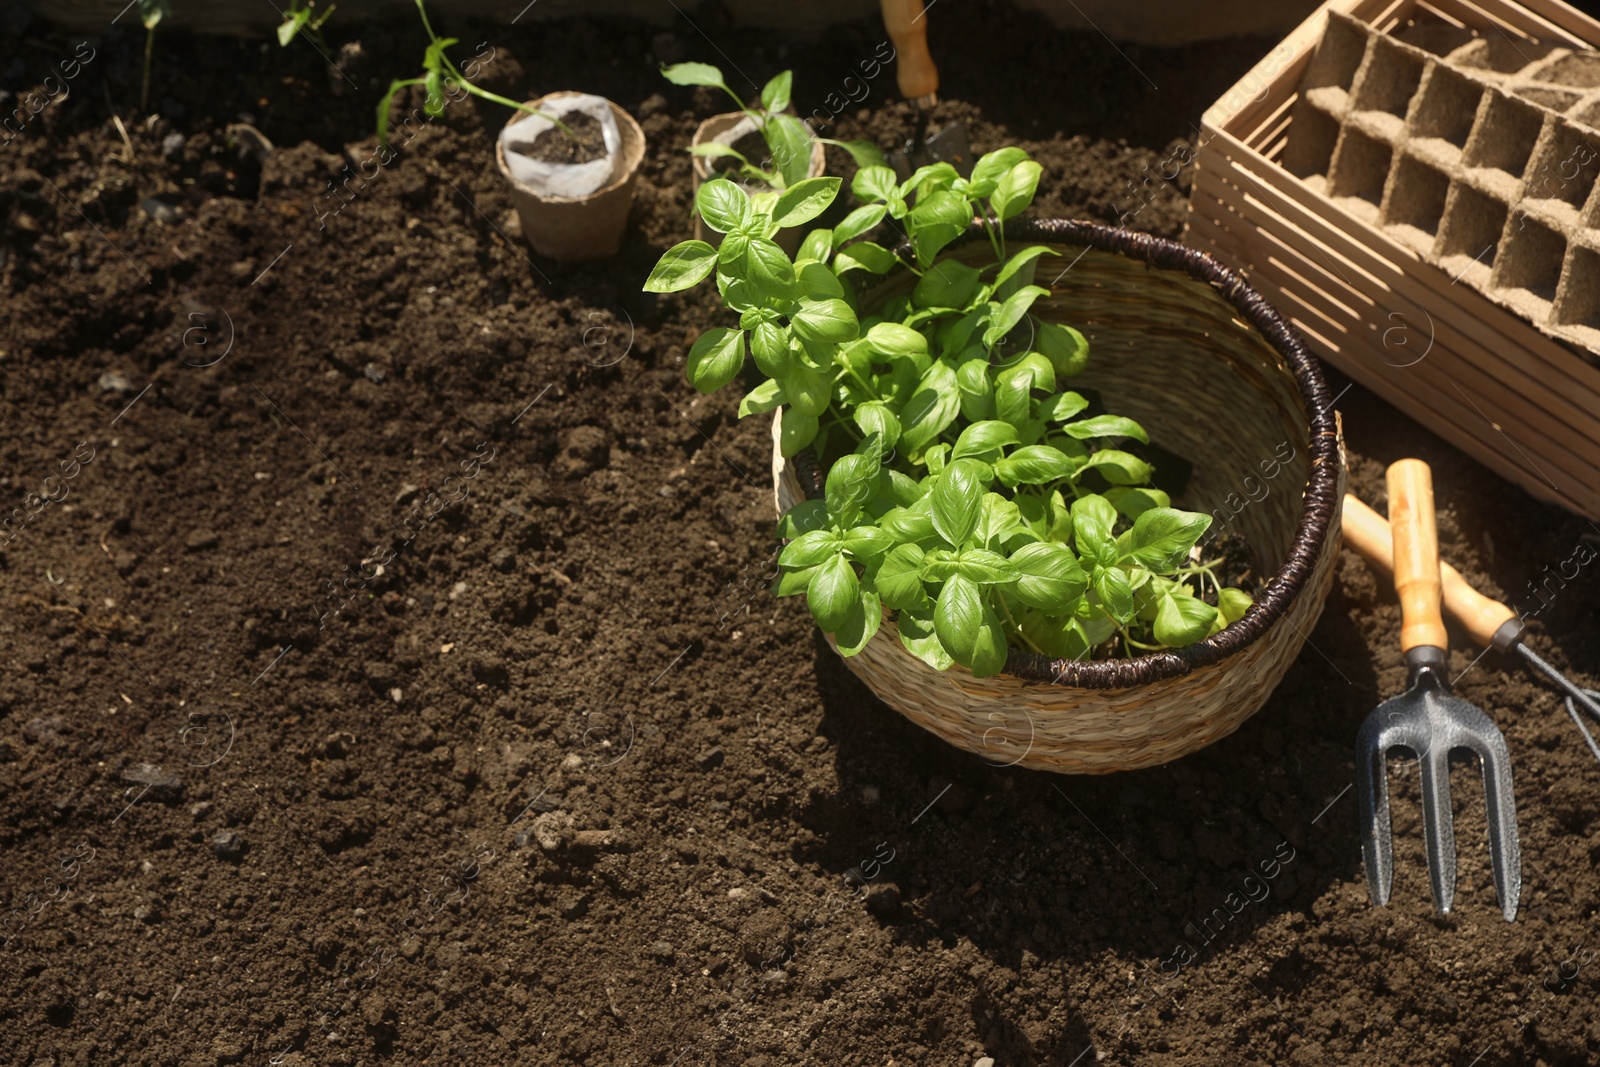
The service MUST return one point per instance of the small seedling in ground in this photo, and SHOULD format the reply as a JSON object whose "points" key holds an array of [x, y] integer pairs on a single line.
{"points": [[438, 74], [788, 139], [151, 12], [966, 491], [302, 16]]}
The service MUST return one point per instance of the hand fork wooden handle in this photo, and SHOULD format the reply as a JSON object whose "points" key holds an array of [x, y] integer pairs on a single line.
{"points": [[1429, 721]]}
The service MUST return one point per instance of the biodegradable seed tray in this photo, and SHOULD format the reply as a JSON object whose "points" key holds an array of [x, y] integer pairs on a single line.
{"points": [[1470, 158], [1412, 182]]}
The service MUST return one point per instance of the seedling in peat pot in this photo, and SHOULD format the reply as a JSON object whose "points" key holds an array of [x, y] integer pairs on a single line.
{"points": [[438, 72], [788, 139], [966, 492]]}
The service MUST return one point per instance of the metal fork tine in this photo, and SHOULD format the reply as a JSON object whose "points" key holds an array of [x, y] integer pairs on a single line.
{"points": [[1438, 830], [1377, 831], [1500, 808]]}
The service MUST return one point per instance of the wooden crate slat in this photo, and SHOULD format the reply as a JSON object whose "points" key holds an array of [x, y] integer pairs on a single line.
{"points": [[1533, 399]]}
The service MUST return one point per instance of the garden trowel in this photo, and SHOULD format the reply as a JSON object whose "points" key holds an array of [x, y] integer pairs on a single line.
{"points": [[919, 83]]}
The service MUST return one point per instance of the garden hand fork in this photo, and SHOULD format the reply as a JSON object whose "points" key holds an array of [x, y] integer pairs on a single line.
{"points": [[1429, 721]]}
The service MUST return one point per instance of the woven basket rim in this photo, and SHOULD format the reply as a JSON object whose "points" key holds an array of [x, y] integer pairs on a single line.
{"points": [[1321, 489]]}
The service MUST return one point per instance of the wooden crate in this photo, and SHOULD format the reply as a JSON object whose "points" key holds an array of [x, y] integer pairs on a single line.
{"points": [[1525, 405]]}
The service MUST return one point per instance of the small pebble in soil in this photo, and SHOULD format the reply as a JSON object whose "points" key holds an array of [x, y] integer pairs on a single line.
{"points": [[145, 914], [158, 210], [710, 758], [160, 782], [199, 540], [663, 951], [112, 382], [987, 1061], [228, 845], [172, 144]]}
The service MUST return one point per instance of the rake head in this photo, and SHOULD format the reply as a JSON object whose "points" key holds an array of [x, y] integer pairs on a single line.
{"points": [[1431, 724]]}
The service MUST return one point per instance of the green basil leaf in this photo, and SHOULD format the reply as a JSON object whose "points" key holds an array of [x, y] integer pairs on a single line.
{"points": [[1000, 520], [1162, 537], [1120, 468], [790, 144], [851, 482], [1019, 267], [984, 437], [862, 153], [768, 396], [898, 581], [694, 74], [1134, 501], [957, 500], [990, 168], [864, 255], [894, 341], [1011, 312], [1059, 638], [875, 417], [860, 627], [1065, 348], [1015, 190], [919, 637], [1031, 368], [775, 94], [969, 630], [723, 205], [1093, 518], [899, 489], [768, 266], [1011, 400], [825, 321], [1035, 465], [1111, 585], [938, 565], [858, 222], [928, 179], [977, 390], [804, 517], [1062, 406], [1107, 426], [791, 583], [1050, 578], [685, 264], [908, 524], [835, 593], [805, 200], [947, 284], [1232, 604], [819, 283], [931, 409], [810, 549], [817, 245], [769, 344], [1182, 619], [866, 543], [984, 567], [938, 219], [873, 183], [795, 432], [715, 358]]}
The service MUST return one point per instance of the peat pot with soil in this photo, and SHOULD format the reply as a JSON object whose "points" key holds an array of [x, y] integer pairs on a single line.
{"points": [[569, 158], [997, 494]]}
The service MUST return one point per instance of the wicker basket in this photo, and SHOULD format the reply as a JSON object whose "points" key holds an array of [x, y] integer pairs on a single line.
{"points": [[1169, 329]]}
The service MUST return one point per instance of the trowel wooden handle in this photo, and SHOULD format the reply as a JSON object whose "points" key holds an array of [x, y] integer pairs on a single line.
{"points": [[914, 69], [1368, 533], [1416, 554]]}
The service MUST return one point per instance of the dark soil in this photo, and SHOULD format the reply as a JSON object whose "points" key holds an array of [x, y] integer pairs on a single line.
{"points": [[395, 681], [584, 143], [751, 146]]}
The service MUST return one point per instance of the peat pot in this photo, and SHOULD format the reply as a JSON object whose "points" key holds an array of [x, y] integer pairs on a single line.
{"points": [[1182, 345], [585, 226], [729, 128]]}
